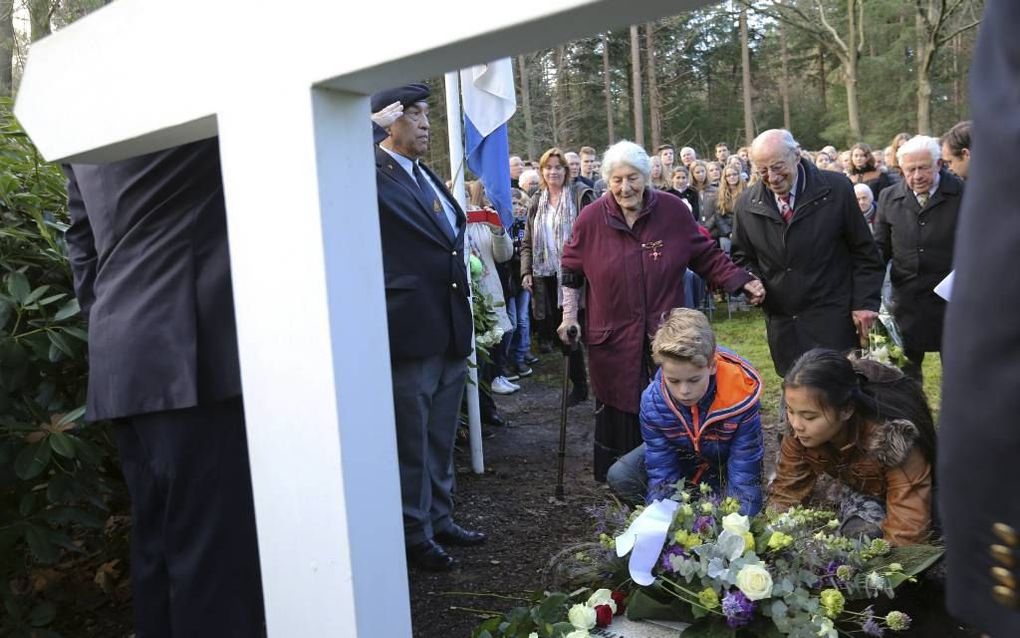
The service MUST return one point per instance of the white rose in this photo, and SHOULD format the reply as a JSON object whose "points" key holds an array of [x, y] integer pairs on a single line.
{"points": [[582, 617], [602, 597], [755, 582], [736, 523], [533, 634], [578, 633]]}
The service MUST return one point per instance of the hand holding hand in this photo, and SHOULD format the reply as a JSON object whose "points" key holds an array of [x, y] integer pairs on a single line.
{"points": [[388, 115], [755, 291]]}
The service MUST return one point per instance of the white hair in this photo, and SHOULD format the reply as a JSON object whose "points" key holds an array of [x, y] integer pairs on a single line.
{"points": [[785, 138], [864, 188], [570, 154], [688, 148], [528, 176], [919, 144], [629, 153]]}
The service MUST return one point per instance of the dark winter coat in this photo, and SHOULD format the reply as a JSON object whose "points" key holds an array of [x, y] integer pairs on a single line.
{"points": [[920, 245], [635, 276], [718, 225], [816, 270], [718, 441]]}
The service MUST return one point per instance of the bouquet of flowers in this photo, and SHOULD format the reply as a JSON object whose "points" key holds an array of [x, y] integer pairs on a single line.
{"points": [[694, 558], [487, 330]]}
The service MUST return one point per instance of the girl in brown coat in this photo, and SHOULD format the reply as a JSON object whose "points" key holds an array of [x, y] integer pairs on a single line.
{"points": [[869, 427]]}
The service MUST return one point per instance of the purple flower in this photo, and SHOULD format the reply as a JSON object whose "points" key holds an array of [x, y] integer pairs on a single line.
{"points": [[702, 523], [872, 628], [672, 550], [739, 611]]}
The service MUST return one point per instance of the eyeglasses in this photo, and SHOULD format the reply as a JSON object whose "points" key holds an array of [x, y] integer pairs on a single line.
{"points": [[779, 168]]}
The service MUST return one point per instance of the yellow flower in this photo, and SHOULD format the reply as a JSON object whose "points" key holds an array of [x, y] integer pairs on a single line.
{"points": [[707, 508], [779, 541], [748, 541], [832, 602], [708, 598]]}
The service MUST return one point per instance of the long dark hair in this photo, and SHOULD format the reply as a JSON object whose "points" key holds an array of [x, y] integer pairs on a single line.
{"points": [[876, 392]]}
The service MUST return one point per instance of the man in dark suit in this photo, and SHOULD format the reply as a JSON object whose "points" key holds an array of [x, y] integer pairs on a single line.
{"points": [[801, 232], [914, 228], [979, 441], [148, 249], [429, 321]]}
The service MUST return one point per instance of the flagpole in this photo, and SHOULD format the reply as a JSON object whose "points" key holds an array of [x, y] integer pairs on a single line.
{"points": [[453, 120]]}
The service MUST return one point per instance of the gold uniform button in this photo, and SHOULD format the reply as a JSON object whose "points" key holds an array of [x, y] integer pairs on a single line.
{"points": [[455, 253], [1004, 577], [1003, 555], [1006, 534], [1006, 597]]}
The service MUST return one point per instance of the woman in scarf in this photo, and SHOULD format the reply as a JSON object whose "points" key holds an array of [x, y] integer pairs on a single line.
{"points": [[631, 247], [551, 216]]}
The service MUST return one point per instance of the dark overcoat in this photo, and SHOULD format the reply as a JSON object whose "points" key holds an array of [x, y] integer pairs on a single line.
{"points": [[919, 243], [816, 270], [979, 437], [152, 274], [427, 304], [635, 277]]}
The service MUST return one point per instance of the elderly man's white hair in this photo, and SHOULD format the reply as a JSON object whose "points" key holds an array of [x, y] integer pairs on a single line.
{"points": [[571, 154], [864, 188], [685, 149], [774, 135], [920, 144], [528, 176], [626, 153]]}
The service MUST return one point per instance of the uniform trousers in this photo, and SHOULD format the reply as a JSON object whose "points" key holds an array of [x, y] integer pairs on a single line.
{"points": [[194, 552], [426, 399]]}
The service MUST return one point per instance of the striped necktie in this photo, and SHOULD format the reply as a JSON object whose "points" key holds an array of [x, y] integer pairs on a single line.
{"points": [[784, 208]]}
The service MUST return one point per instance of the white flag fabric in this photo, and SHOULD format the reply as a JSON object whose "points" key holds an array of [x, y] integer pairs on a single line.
{"points": [[489, 96]]}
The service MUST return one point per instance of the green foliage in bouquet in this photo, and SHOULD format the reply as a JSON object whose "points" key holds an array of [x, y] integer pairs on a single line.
{"points": [[55, 479], [487, 331]]}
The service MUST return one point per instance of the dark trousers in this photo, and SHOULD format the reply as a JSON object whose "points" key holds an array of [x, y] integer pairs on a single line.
{"points": [[616, 433], [194, 553], [426, 399], [913, 366]]}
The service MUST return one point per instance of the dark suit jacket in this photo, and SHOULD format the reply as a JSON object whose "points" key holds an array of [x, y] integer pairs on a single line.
{"points": [[920, 245], [148, 248], [979, 437], [426, 279]]}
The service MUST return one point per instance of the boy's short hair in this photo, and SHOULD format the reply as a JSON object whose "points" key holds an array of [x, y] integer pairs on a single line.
{"points": [[587, 150], [685, 335]]}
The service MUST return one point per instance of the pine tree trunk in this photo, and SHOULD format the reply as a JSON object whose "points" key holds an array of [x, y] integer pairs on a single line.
{"points": [[745, 63], [6, 47], [850, 73], [40, 13], [608, 88], [635, 63], [822, 80], [560, 99], [925, 56], [784, 86], [654, 104], [529, 130], [957, 93]]}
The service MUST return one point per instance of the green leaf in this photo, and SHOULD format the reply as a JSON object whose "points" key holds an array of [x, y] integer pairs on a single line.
{"points": [[69, 309], [72, 416], [6, 309], [60, 489], [32, 460], [73, 515], [61, 444], [43, 550], [551, 609], [35, 294], [645, 604], [42, 614], [76, 332], [48, 300], [18, 286], [27, 504], [86, 451], [60, 342]]}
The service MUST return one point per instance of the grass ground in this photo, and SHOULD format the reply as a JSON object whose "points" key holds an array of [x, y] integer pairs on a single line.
{"points": [[744, 333]]}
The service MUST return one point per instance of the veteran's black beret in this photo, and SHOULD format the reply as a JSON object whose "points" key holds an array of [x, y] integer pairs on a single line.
{"points": [[406, 95]]}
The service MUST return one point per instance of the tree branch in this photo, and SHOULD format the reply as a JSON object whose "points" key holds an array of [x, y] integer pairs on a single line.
{"points": [[952, 35], [833, 32]]}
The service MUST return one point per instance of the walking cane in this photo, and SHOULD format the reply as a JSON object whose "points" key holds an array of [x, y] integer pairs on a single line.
{"points": [[567, 349]]}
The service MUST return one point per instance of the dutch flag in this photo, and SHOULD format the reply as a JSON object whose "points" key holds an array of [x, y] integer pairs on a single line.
{"points": [[489, 100]]}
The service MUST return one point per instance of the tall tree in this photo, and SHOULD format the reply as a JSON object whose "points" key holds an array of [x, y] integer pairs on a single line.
{"points": [[934, 29], [635, 64], [6, 47], [745, 65], [817, 23], [608, 87], [784, 81], [654, 103], [529, 129], [40, 14]]}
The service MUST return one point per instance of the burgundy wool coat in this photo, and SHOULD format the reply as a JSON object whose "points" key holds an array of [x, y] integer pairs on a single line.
{"points": [[635, 277]]}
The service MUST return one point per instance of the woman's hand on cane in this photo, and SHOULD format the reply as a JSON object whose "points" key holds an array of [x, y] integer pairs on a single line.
{"points": [[564, 331]]}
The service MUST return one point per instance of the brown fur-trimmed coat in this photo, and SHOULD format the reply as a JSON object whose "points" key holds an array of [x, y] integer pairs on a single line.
{"points": [[882, 460]]}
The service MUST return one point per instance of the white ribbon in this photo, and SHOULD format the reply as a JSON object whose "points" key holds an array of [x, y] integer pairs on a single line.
{"points": [[646, 536]]}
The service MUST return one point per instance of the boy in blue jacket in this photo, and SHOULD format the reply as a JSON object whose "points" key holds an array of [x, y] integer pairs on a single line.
{"points": [[700, 420]]}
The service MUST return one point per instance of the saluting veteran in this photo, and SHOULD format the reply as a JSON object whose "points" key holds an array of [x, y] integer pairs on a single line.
{"points": [[422, 230]]}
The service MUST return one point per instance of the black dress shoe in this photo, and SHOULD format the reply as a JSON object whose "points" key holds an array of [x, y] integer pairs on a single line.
{"points": [[494, 419], [430, 556], [457, 535]]}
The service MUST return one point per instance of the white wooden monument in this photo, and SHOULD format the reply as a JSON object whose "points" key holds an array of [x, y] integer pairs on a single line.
{"points": [[285, 85]]}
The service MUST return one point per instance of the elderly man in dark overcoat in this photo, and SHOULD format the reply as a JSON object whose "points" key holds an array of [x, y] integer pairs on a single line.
{"points": [[979, 437], [915, 227], [427, 307], [801, 232], [148, 249]]}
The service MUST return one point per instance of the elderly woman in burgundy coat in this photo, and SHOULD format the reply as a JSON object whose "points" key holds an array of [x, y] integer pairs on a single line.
{"points": [[632, 247]]}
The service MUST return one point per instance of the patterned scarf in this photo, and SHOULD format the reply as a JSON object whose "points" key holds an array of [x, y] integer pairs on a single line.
{"points": [[548, 248]]}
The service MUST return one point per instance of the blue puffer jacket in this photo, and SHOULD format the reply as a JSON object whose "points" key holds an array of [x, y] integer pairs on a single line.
{"points": [[718, 441]]}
